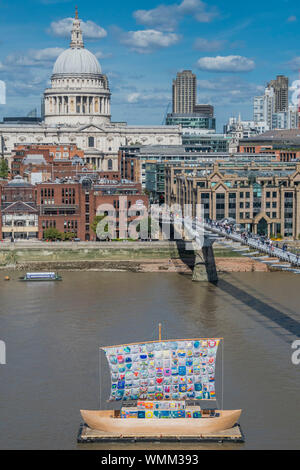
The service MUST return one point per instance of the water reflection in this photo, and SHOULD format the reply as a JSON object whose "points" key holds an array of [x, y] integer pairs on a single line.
{"points": [[53, 332]]}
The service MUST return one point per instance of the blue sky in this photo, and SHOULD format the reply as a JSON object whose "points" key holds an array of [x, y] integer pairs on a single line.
{"points": [[234, 48]]}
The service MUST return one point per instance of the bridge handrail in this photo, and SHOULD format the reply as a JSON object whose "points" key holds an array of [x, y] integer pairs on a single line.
{"points": [[271, 251]]}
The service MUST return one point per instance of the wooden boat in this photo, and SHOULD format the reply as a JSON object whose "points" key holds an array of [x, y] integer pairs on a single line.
{"points": [[38, 277], [109, 421], [162, 377]]}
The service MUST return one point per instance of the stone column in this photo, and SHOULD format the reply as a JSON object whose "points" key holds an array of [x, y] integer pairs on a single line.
{"points": [[213, 203], [226, 204], [205, 265]]}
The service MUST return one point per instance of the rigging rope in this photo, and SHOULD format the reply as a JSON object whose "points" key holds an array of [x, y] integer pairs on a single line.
{"points": [[222, 374], [100, 376]]}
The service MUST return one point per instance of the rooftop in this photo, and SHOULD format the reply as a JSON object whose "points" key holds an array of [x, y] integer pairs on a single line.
{"points": [[291, 135]]}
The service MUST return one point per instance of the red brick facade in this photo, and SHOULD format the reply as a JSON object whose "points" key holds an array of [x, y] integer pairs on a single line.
{"points": [[72, 207], [67, 194]]}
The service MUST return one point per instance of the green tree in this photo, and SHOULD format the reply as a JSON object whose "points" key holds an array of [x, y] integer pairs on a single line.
{"points": [[68, 236], [3, 168], [96, 220], [53, 234]]}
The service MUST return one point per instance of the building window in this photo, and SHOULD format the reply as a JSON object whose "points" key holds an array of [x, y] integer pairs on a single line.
{"points": [[110, 164], [91, 142]]}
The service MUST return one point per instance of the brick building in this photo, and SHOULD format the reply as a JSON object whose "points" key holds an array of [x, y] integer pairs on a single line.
{"points": [[263, 198], [284, 144], [40, 163], [19, 213], [71, 206]]}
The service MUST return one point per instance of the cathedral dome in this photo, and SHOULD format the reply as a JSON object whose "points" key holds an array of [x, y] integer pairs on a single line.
{"points": [[79, 93], [77, 61]]}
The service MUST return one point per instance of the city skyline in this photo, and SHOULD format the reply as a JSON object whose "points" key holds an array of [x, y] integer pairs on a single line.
{"points": [[231, 53]]}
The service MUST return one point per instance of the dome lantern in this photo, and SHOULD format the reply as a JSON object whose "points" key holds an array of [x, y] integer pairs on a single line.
{"points": [[76, 59], [76, 34]]}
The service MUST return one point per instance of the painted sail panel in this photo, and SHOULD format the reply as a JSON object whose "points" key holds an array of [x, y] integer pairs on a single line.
{"points": [[170, 370]]}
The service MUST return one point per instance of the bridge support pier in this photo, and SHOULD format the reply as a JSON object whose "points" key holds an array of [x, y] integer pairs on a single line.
{"points": [[205, 265]]}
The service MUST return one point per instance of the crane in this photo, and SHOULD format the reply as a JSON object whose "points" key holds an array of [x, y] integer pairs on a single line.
{"points": [[166, 112]]}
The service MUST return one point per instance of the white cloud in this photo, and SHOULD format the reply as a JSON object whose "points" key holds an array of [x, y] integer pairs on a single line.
{"points": [[294, 64], [202, 44], [102, 55], [163, 17], [227, 90], [166, 17], [133, 97], [146, 98], [231, 63], [148, 40], [292, 19], [34, 57], [27, 73], [90, 29], [198, 9]]}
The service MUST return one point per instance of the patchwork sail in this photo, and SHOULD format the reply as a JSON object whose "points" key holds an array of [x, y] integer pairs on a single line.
{"points": [[163, 370]]}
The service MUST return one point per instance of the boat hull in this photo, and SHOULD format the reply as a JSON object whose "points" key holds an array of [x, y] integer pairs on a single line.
{"points": [[39, 280], [105, 421]]}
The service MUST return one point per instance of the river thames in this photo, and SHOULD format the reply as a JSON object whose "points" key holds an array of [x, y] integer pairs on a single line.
{"points": [[53, 332]]}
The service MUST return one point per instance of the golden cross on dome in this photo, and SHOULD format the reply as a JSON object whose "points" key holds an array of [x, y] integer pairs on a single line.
{"points": [[76, 12]]}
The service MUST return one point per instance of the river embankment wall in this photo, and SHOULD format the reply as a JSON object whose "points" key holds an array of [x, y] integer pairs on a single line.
{"points": [[116, 256]]}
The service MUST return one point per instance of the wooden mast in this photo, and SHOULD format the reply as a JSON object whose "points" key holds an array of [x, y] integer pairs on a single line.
{"points": [[159, 331]]}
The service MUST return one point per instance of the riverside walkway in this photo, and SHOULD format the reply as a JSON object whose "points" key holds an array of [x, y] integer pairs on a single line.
{"points": [[292, 260]]}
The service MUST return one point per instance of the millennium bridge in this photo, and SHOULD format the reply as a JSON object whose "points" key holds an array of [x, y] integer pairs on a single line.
{"points": [[202, 235]]}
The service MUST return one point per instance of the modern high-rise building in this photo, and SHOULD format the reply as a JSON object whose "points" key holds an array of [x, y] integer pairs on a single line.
{"points": [[204, 109], [184, 92], [273, 109], [264, 107], [281, 91], [185, 111]]}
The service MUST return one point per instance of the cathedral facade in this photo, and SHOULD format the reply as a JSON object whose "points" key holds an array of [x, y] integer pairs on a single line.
{"points": [[77, 111]]}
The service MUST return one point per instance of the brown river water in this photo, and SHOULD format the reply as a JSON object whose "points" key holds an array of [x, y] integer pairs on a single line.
{"points": [[53, 330]]}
